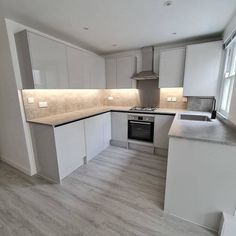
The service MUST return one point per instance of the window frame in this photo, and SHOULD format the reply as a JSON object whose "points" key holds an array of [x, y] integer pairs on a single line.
{"points": [[230, 57]]}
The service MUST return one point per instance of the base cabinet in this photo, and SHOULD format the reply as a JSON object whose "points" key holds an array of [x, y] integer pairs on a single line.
{"points": [[70, 147], [97, 134], [161, 130], [60, 150], [119, 128]]}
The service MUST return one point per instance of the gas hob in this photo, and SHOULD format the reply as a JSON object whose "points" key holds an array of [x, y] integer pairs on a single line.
{"points": [[149, 109]]}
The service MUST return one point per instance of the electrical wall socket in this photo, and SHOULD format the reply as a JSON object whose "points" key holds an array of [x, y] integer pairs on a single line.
{"points": [[169, 99], [43, 104], [110, 98], [30, 100], [173, 99], [185, 99]]}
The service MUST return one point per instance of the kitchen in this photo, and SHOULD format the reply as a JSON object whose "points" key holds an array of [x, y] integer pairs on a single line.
{"points": [[107, 135]]}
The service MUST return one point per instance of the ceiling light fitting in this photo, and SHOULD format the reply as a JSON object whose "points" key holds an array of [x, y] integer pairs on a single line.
{"points": [[168, 3]]}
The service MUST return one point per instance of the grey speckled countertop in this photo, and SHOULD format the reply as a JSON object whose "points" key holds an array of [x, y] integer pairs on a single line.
{"points": [[64, 118], [214, 131]]}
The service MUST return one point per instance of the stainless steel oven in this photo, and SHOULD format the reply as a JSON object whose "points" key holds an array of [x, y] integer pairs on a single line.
{"points": [[141, 128]]}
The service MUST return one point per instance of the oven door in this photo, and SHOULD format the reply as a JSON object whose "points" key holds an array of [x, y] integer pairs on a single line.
{"points": [[141, 130]]}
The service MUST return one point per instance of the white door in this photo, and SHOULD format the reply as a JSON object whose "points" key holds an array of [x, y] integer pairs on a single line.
{"points": [[125, 70], [49, 63], [161, 130], [119, 126], [79, 68], [172, 63], [70, 147], [110, 73], [202, 69]]}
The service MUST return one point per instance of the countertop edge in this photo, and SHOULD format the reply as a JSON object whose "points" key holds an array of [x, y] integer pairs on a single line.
{"points": [[36, 121]]}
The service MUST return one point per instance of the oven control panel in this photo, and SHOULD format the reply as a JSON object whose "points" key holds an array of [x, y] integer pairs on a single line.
{"points": [[141, 118]]}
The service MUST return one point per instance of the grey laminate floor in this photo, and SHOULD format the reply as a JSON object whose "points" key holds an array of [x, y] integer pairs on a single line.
{"points": [[120, 192]]}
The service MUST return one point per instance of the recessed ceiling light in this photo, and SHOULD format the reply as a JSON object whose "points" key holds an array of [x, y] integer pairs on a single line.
{"points": [[85, 28], [114, 45], [174, 33], [168, 3]]}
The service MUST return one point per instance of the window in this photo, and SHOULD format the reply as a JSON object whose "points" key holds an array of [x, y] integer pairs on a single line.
{"points": [[228, 79]]}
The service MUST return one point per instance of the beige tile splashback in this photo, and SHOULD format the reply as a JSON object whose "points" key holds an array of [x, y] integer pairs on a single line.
{"points": [[61, 101], [172, 92]]}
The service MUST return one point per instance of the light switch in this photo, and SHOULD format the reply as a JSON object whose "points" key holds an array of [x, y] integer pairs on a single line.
{"points": [[30, 100], [43, 104], [169, 99], [173, 99]]}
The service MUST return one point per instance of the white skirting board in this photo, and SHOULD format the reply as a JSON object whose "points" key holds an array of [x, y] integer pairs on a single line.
{"points": [[16, 166]]}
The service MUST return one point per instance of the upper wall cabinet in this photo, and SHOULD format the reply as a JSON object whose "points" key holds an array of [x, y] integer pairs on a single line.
{"points": [[98, 80], [125, 69], [120, 69], [202, 69], [42, 59], [171, 68], [110, 72], [78, 68], [48, 64], [86, 70]]}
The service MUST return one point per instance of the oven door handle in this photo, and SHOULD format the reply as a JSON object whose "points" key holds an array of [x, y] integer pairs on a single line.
{"points": [[137, 122]]}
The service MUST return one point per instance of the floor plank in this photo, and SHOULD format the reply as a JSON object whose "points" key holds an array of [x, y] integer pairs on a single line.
{"points": [[119, 192]]}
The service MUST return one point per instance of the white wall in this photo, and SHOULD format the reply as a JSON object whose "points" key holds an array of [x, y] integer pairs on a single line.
{"points": [[14, 148]]}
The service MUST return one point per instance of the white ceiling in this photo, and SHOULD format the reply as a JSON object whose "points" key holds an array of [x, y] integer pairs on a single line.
{"points": [[127, 23]]}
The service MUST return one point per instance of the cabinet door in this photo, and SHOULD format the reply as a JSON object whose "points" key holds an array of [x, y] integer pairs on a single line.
{"points": [[161, 130], [125, 70], [98, 80], [172, 62], [79, 68], [119, 126], [70, 147], [202, 69], [110, 67], [49, 63], [94, 134], [107, 128]]}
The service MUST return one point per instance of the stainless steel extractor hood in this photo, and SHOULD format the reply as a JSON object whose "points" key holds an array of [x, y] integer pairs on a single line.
{"points": [[147, 72]]}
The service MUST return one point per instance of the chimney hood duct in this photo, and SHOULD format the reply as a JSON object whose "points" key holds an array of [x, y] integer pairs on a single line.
{"points": [[147, 72]]}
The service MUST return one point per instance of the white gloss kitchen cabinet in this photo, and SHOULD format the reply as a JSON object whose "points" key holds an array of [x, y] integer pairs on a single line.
{"points": [[60, 150], [161, 130], [119, 128], [86, 71], [110, 68], [46, 63], [171, 68], [43, 62], [125, 69], [202, 69], [97, 134], [120, 68]]}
